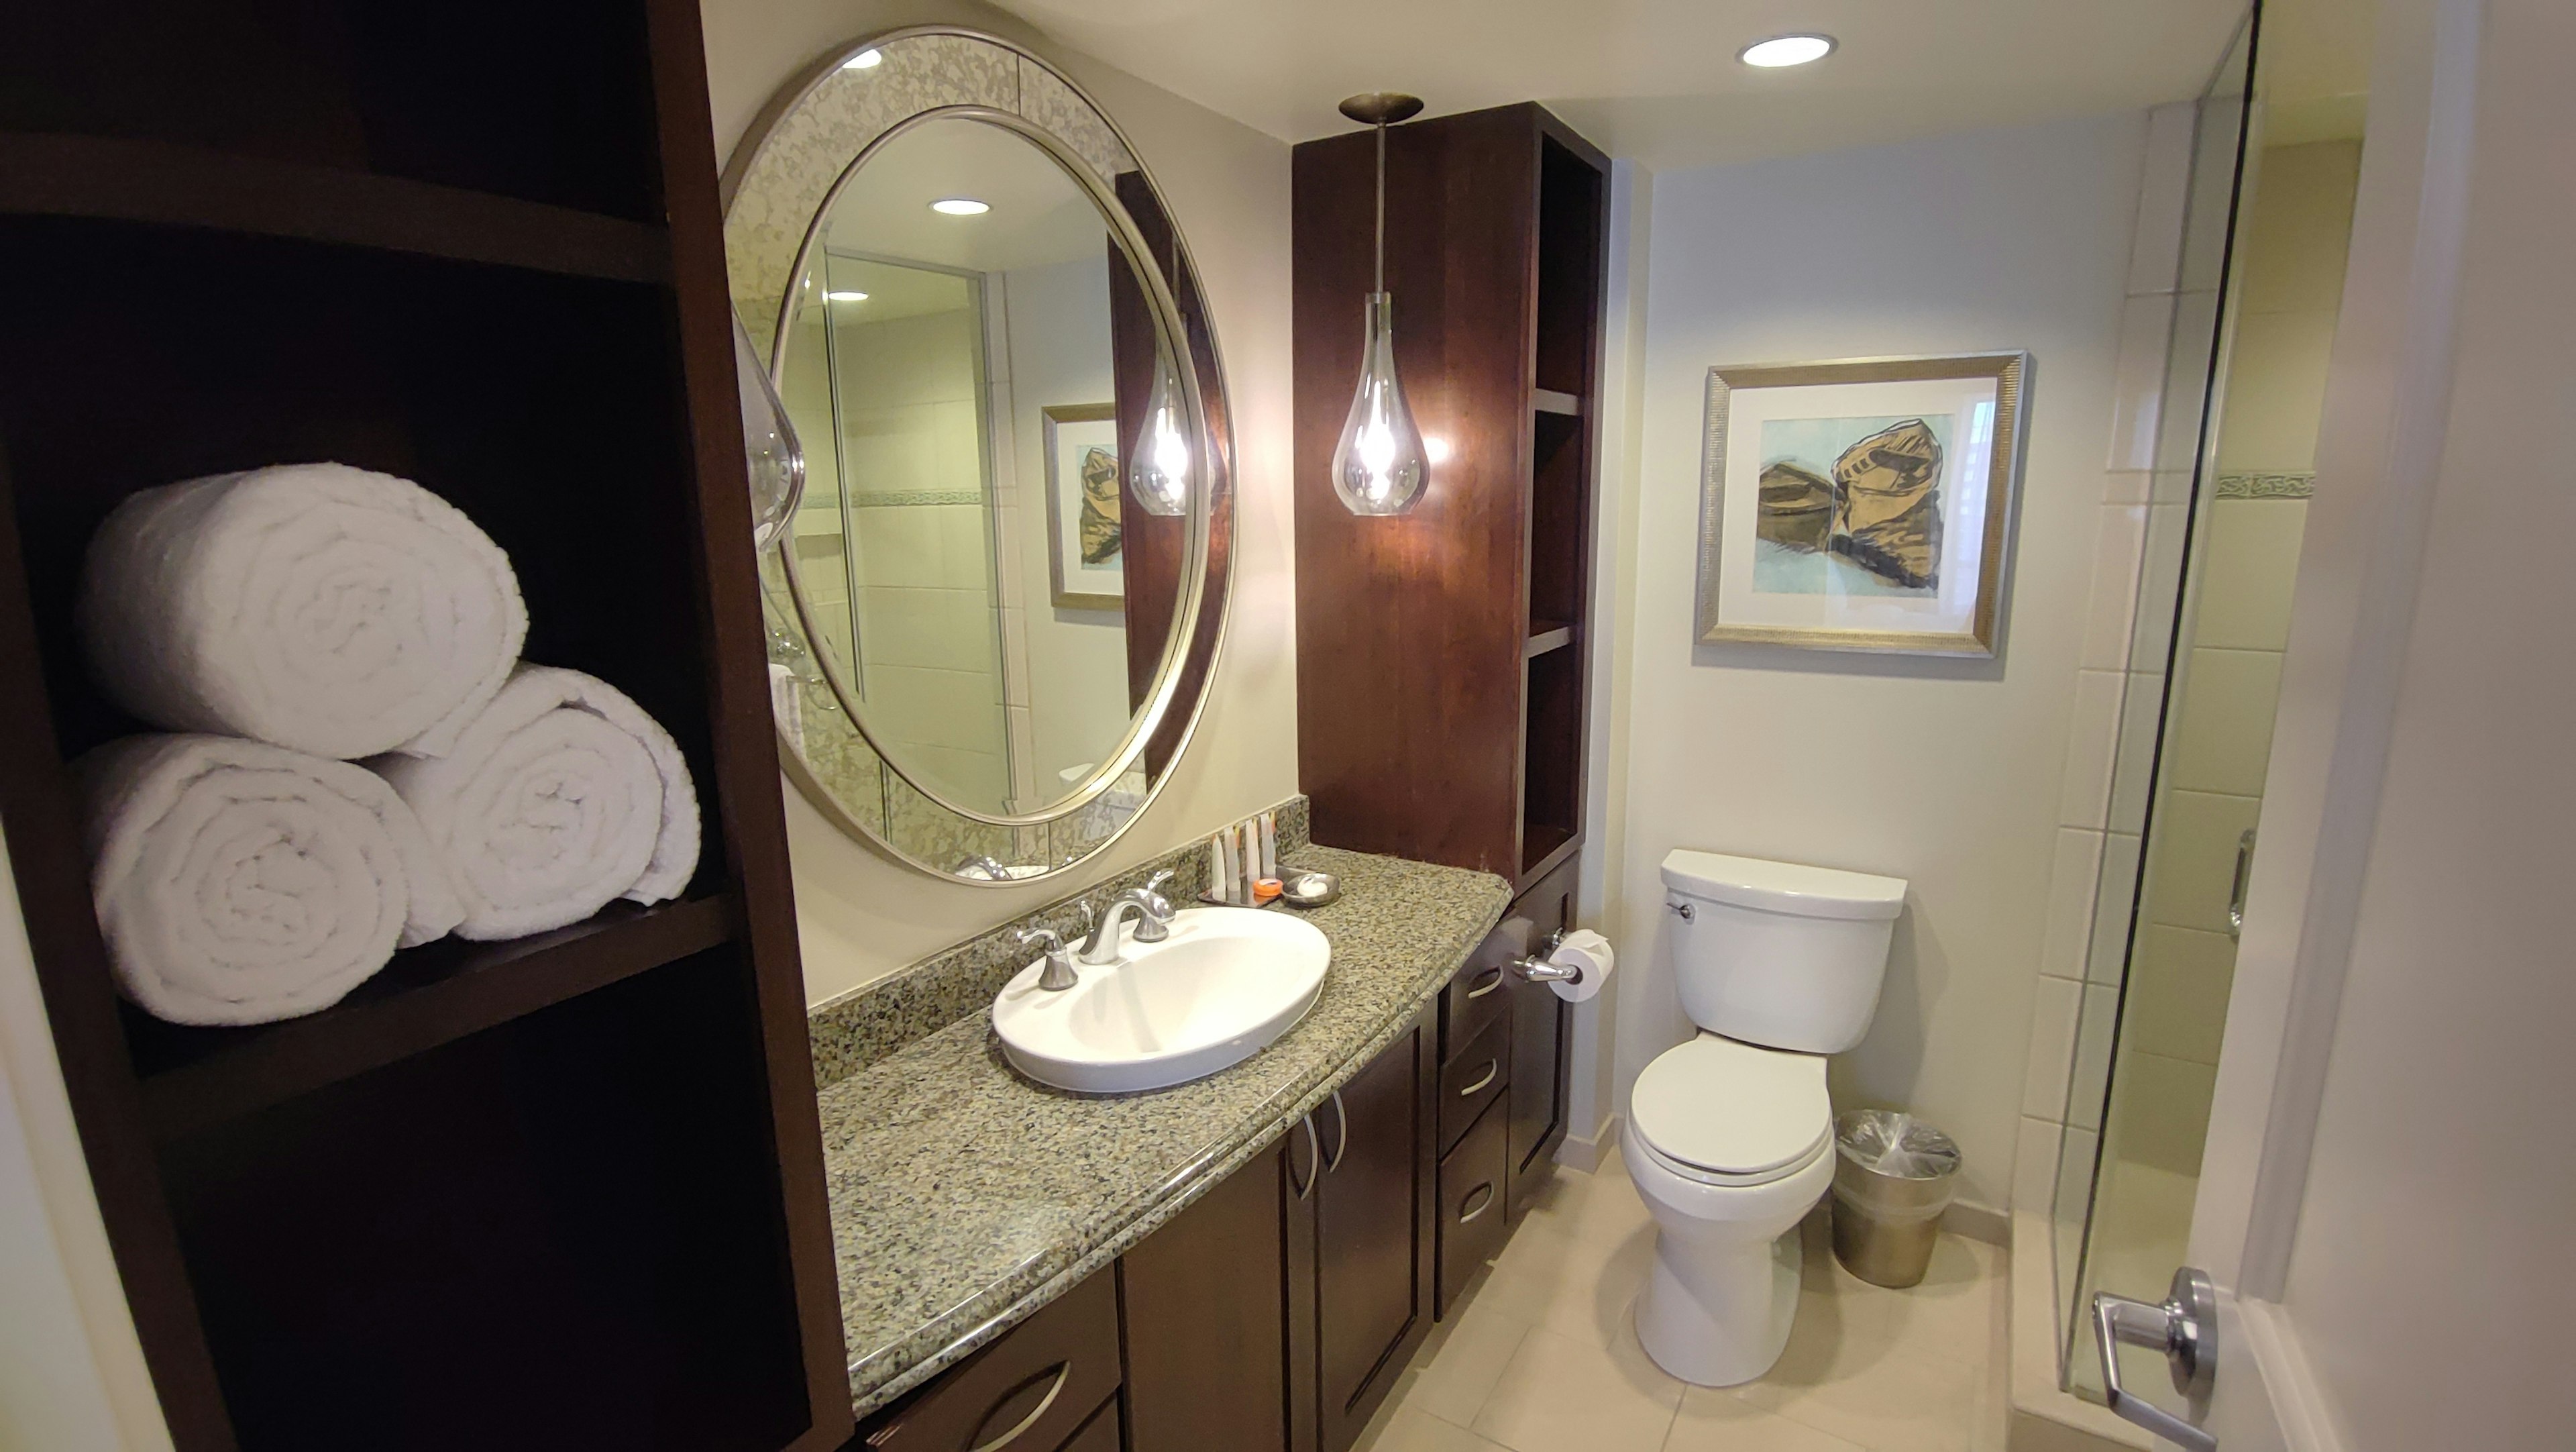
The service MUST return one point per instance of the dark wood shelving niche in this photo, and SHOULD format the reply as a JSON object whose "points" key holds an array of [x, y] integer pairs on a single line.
{"points": [[565, 1191], [112, 179], [1443, 656], [428, 996]]}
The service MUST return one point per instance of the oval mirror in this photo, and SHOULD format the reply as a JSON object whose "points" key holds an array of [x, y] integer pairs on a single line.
{"points": [[994, 608]]}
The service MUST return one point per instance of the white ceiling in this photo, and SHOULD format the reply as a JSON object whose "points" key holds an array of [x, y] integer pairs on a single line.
{"points": [[1040, 215], [1657, 80]]}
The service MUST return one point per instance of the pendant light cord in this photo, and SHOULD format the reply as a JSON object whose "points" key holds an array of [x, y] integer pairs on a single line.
{"points": [[1381, 208]]}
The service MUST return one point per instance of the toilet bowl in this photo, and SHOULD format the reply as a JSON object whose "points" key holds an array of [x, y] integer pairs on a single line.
{"points": [[1729, 1137], [1727, 1192]]}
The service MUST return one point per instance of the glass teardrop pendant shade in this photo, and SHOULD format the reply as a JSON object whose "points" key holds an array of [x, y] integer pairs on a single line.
{"points": [[1159, 475], [776, 463], [1379, 467]]}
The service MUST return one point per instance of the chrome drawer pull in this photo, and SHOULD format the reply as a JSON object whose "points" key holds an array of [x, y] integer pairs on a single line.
{"points": [[1490, 979], [1492, 1067], [1486, 1191], [1063, 1374], [1315, 1152]]}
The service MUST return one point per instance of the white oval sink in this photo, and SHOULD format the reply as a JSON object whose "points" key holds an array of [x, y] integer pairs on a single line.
{"points": [[1226, 982]]}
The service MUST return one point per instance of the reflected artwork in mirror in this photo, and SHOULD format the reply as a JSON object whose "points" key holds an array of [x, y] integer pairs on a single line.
{"points": [[993, 613]]}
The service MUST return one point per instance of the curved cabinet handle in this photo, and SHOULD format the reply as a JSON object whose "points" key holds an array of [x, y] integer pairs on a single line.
{"points": [[1485, 1190], [1492, 1067], [1315, 1152], [1342, 1137], [1063, 1374], [1487, 982]]}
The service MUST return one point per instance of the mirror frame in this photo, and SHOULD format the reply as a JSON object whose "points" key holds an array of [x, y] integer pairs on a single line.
{"points": [[792, 165]]}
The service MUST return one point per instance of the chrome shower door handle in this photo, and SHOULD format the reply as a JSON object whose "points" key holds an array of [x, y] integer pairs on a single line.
{"points": [[2185, 1329], [2236, 888]]}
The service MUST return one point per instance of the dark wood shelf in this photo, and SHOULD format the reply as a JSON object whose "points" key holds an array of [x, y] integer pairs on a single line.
{"points": [[112, 179], [428, 996], [1548, 400], [1547, 635], [1542, 848]]}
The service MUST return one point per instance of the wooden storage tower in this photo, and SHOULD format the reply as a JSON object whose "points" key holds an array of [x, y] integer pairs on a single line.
{"points": [[1442, 654], [563, 1192]]}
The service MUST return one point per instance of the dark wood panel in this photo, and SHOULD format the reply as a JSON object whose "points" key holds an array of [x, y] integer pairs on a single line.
{"points": [[1100, 1434], [1552, 789], [1476, 1076], [558, 1232], [194, 1077], [1374, 1215], [1480, 993], [1411, 629], [1474, 1203], [1203, 1304], [1048, 1373], [1541, 1084], [145, 181]]}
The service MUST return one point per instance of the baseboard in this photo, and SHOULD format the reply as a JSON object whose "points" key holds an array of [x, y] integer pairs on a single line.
{"points": [[1978, 1222], [1579, 1153]]}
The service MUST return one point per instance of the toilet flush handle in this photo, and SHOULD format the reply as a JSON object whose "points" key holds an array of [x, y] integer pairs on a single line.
{"points": [[1681, 910]]}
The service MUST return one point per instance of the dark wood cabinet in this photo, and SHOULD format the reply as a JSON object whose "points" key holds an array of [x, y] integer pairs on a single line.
{"points": [[1276, 1313], [1373, 1232], [1206, 1301], [1037, 1388], [560, 1192], [1474, 1214], [1443, 654], [1539, 1046]]}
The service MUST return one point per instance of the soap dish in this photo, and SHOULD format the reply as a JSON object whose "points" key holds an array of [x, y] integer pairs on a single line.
{"points": [[1300, 888]]}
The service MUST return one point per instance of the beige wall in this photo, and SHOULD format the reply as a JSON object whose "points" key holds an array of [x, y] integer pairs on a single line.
{"points": [[1949, 773], [863, 915]]}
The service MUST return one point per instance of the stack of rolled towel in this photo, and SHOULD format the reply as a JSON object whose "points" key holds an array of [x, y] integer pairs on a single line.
{"points": [[360, 760]]}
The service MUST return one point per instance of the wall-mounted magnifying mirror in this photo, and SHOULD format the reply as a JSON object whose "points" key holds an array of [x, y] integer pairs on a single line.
{"points": [[993, 612]]}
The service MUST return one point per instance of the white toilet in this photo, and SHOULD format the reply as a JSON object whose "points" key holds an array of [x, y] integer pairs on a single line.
{"points": [[1730, 1136]]}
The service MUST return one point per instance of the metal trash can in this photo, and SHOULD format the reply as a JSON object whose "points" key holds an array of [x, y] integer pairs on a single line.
{"points": [[1893, 1175]]}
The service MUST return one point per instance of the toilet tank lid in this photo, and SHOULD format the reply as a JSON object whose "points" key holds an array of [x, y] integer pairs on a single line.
{"points": [[1783, 887]]}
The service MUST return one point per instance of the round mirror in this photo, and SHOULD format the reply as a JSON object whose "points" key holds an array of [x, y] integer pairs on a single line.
{"points": [[993, 610]]}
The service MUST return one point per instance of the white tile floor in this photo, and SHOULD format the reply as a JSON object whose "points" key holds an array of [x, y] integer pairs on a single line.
{"points": [[1543, 1356]]}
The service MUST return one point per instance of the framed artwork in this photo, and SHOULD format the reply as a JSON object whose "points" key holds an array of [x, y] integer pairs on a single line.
{"points": [[1864, 504], [1085, 568]]}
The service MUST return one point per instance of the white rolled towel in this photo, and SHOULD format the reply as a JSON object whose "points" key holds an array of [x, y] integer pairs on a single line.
{"points": [[561, 796], [314, 606], [239, 883]]}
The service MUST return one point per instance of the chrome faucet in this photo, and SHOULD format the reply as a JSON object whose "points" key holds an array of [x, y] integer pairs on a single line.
{"points": [[1153, 921], [1058, 974]]}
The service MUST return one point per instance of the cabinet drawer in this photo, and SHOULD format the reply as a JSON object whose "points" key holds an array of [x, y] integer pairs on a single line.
{"points": [[1474, 1078], [1482, 991], [1030, 1391], [1100, 1434], [1474, 1181]]}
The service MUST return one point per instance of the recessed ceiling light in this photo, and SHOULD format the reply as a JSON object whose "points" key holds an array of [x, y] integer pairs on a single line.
{"points": [[960, 206], [864, 60], [846, 296], [1787, 50]]}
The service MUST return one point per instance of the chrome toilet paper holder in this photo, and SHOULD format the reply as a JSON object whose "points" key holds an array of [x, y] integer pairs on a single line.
{"points": [[1535, 968]]}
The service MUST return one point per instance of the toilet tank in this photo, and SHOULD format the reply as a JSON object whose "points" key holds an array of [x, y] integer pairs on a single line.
{"points": [[1779, 954]]}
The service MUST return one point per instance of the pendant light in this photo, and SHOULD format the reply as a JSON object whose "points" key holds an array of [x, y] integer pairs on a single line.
{"points": [[1159, 474], [1379, 466]]}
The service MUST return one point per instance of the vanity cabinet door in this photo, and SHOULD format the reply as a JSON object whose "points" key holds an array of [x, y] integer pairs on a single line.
{"points": [[1206, 1299], [1034, 1388], [1539, 1085], [1374, 1226]]}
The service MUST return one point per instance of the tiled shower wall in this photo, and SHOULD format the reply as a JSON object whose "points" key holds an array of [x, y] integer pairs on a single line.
{"points": [[2173, 298]]}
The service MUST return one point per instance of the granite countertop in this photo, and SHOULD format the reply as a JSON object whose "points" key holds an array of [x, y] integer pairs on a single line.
{"points": [[964, 1196]]}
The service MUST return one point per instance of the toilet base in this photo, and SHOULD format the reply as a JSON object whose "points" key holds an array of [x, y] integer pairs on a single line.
{"points": [[1720, 1320]]}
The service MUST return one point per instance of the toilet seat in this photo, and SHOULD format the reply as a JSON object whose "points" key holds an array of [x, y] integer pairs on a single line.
{"points": [[1727, 1113]]}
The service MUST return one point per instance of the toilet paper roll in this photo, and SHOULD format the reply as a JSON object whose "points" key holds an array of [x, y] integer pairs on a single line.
{"points": [[1590, 952]]}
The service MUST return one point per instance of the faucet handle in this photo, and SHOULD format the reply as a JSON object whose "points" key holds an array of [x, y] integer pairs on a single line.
{"points": [[1058, 975]]}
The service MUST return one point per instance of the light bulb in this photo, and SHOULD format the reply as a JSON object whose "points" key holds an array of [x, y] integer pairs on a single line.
{"points": [[1158, 474], [1380, 466]]}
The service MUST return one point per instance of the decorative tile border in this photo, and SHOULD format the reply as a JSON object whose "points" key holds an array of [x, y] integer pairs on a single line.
{"points": [[866, 1024], [906, 498], [2267, 486]]}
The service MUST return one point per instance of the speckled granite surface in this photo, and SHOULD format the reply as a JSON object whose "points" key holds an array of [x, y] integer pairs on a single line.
{"points": [[857, 1029], [964, 1196]]}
